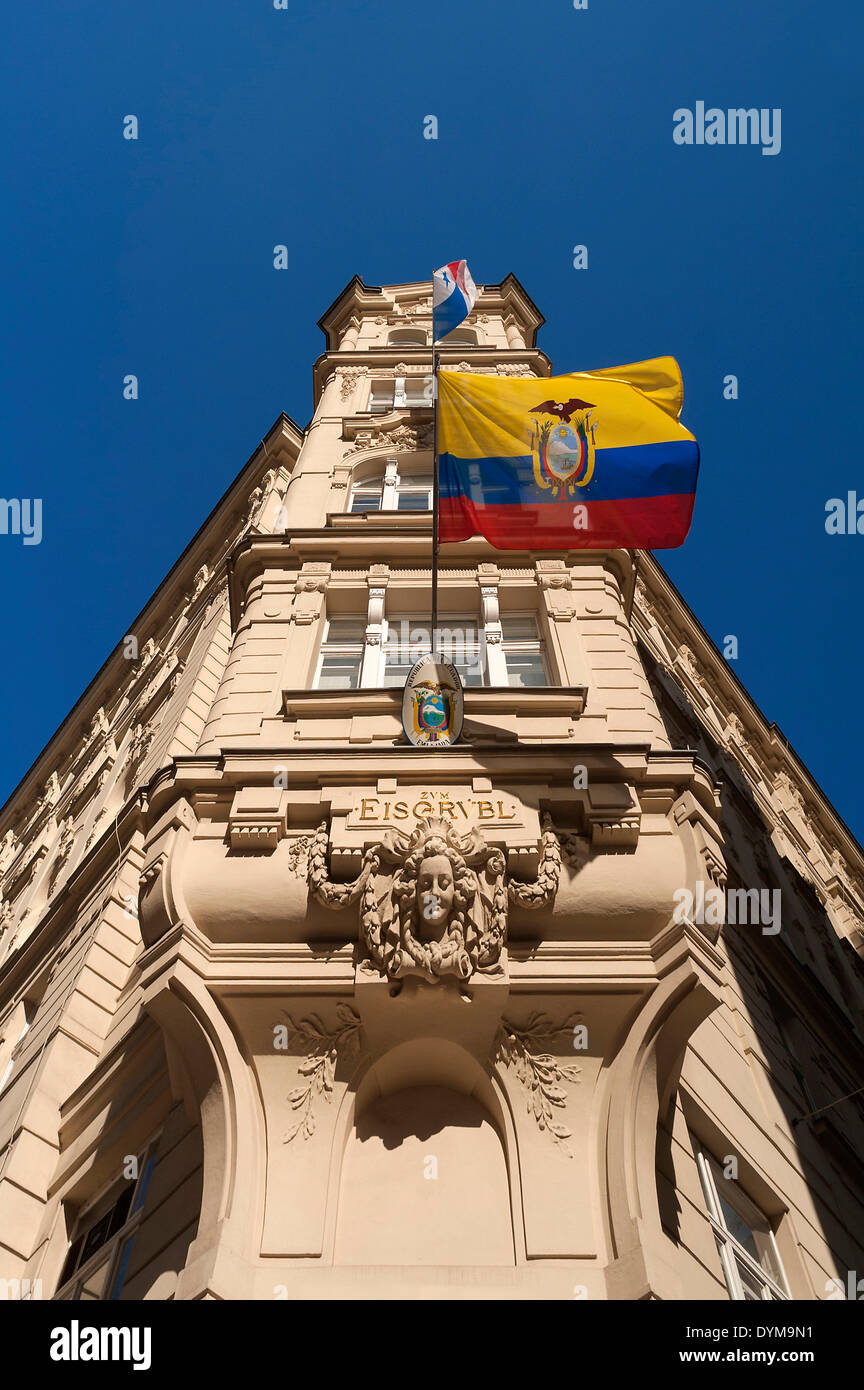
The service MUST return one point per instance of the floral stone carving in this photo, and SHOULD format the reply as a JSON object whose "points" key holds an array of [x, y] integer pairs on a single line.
{"points": [[318, 1067], [539, 1072], [433, 903]]}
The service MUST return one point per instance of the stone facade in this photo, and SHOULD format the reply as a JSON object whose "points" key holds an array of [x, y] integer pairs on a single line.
{"points": [[289, 1008]]}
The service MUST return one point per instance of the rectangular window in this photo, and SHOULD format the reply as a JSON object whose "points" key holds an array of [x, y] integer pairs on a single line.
{"points": [[407, 639], [381, 397], [745, 1240], [341, 655], [413, 500], [523, 651], [99, 1254], [367, 500]]}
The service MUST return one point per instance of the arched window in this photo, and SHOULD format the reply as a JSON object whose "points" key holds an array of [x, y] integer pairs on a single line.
{"points": [[407, 337], [460, 337]]}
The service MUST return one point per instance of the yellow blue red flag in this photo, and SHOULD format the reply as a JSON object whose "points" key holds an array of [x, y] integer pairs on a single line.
{"points": [[592, 460]]}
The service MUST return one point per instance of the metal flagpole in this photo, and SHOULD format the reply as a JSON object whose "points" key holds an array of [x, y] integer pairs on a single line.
{"points": [[434, 491]]}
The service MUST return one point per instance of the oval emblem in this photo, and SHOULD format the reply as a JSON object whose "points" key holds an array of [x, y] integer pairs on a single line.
{"points": [[432, 703]]}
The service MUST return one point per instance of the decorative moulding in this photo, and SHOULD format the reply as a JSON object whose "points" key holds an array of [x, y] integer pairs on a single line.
{"points": [[257, 820]]}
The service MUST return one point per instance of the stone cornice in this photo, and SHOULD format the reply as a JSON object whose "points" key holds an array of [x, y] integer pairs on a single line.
{"points": [[696, 666], [385, 361], [358, 298]]}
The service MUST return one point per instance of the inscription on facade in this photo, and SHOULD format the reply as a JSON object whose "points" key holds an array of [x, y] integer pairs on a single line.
{"points": [[459, 805]]}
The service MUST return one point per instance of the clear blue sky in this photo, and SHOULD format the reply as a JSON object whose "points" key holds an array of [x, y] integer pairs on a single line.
{"points": [[304, 126]]}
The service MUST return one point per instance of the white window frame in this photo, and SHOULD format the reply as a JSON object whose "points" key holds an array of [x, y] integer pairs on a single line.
{"points": [[329, 648], [447, 621], [389, 487], [401, 397], [730, 1251], [528, 646], [374, 634], [116, 1244]]}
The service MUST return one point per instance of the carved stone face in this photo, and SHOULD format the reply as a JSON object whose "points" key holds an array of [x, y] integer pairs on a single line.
{"points": [[435, 889]]}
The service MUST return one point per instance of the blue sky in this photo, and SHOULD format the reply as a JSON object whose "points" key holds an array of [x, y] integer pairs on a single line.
{"points": [[304, 127]]}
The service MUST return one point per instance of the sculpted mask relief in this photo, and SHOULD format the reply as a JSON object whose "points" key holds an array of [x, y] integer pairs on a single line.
{"points": [[433, 903]]}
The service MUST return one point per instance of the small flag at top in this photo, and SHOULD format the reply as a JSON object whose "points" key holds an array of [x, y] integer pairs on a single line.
{"points": [[454, 295]]}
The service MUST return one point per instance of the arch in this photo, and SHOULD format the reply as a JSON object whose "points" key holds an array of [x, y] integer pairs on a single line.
{"points": [[461, 337], [407, 337]]}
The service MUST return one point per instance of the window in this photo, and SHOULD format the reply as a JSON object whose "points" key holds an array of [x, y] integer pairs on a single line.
{"points": [[410, 492], [745, 1240], [407, 639], [341, 655], [460, 337], [407, 337], [98, 1258], [399, 392], [523, 651], [377, 651], [14, 1033]]}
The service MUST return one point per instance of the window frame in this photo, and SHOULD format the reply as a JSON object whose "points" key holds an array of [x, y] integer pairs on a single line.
{"points": [[388, 489], [119, 1244], [524, 646], [731, 1252], [445, 622], [369, 648], [332, 648]]}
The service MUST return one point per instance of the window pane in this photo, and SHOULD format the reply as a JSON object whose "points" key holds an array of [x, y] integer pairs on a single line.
{"points": [[413, 502], [366, 502], [95, 1237], [525, 668], [120, 1210], [346, 630], [418, 391], [339, 672], [94, 1284], [396, 672], [518, 627], [754, 1289]]}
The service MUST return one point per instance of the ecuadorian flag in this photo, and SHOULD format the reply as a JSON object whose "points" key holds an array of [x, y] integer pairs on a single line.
{"points": [[594, 460]]}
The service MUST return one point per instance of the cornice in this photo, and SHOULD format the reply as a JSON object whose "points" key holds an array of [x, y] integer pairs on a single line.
{"points": [[386, 359], [762, 741], [357, 296]]}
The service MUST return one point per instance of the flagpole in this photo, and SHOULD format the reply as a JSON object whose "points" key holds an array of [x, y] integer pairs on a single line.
{"points": [[434, 492]]}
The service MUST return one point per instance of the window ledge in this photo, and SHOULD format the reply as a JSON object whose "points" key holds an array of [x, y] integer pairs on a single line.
{"points": [[539, 701]]}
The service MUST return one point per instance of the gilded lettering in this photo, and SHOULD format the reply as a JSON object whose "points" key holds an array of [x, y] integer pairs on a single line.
{"points": [[422, 809], [400, 810], [501, 815], [485, 810], [461, 805], [445, 804], [367, 801]]}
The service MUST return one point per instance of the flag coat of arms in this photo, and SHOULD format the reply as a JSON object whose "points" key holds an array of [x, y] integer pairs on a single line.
{"points": [[454, 295], [592, 460]]}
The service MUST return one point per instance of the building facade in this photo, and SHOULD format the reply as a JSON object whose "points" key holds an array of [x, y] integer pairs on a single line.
{"points": [[290, 1008]]}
